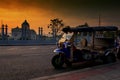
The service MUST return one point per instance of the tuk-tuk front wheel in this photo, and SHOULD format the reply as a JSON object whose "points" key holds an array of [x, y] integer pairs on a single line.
{"points": [[58, 61], [68, 63]]}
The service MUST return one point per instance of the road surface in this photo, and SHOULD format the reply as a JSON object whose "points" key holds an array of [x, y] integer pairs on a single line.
{"points": [[27, 62]]}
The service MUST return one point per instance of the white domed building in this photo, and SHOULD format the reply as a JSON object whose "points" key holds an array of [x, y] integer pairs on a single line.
{"points": [[25, 30], [24, 33]]}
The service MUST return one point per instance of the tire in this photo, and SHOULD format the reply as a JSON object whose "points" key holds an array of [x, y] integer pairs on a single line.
{"points": [[109, 58], [68, 63], [57, 61], [118, 54]]}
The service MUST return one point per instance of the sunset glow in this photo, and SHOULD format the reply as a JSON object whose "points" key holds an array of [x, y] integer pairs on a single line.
{"points": [[14, 18], [39, 12]]}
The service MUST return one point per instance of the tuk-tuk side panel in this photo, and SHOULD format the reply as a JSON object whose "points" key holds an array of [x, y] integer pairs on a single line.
{"points": [[105, 42]]}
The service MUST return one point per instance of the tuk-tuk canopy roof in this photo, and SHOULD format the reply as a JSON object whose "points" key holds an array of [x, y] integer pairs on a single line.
{"points": [[90, 29]]}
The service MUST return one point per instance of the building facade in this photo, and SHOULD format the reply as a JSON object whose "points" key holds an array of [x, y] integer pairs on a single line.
{"points": [[24, 33], [16, 33]]}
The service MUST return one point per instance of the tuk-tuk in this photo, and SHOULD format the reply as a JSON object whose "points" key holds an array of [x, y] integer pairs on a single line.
{"points": [[82, 44]]}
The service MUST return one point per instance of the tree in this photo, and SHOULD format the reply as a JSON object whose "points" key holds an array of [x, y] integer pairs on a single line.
{"points": [[56, 25]]}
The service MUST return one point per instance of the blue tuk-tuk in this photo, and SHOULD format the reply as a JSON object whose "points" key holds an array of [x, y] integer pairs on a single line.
{"points": [[80, 44]]}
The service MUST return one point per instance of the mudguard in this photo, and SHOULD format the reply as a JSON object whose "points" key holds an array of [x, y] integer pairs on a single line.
{"points": [[58, 50], [107, 52]]}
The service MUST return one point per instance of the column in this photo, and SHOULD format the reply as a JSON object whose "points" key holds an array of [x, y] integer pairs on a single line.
{"points": [[3, 32]]}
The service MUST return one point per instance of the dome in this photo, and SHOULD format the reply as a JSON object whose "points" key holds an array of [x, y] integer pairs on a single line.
{"points": [[25, 24]]}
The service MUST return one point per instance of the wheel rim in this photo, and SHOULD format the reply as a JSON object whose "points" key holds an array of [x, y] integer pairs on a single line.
{"points": [[58, 61]]}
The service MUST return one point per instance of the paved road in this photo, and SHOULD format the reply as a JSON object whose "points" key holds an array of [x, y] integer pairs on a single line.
{"points": [[27, 62], [101, 72]]}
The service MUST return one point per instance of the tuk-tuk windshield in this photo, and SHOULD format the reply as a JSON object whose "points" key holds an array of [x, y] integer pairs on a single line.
{"points": [[66, 36]]}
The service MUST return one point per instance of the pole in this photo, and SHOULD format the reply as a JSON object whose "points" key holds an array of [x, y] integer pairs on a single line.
{"points": [[39, 32], [6, 31], [3, 32]]}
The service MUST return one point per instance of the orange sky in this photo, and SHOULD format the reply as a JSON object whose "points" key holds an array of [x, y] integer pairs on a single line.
{"points": [[35, 18], [73, 13]]}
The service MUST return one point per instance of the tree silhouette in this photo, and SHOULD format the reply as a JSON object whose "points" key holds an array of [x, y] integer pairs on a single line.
{"points": [[56, 25]]}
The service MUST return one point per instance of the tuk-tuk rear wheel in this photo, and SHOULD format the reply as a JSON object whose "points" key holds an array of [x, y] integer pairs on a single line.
{"points": [[118, 54], [109, 58]]}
